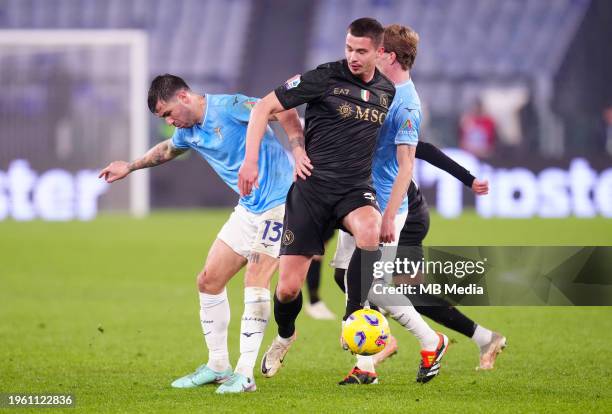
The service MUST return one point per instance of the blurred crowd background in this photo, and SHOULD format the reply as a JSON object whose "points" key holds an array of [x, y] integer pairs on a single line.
{"points": [[511, 84]]}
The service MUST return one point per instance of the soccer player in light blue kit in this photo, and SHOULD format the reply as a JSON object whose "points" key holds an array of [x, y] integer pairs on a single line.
{"points": [[215, 127]]}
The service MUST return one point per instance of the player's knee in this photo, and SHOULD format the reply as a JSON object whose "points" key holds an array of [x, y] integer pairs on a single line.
{"points": [[207, 283], [287, 292], [368, 238], [367, 232]]}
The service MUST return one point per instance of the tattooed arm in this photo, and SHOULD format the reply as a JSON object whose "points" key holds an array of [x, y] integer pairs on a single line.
{"points": [[159, 154], [297, 142]]}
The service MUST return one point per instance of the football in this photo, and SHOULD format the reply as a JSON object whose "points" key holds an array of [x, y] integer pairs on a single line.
{"points": [[366, 332]]}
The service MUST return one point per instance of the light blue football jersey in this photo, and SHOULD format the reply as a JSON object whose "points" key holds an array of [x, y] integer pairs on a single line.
{"points": [[400, 127], [221, 140]]}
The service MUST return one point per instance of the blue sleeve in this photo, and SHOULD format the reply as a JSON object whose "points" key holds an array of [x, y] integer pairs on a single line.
{"points": [[408, 122], [178, 139], [240, 107]]}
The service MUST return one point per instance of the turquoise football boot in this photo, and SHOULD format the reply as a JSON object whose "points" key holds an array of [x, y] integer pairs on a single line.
{"points": [[202, 375], [237, 383]]}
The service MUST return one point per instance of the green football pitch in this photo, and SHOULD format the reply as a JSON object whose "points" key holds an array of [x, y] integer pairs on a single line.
{"points": [[107, 311]]}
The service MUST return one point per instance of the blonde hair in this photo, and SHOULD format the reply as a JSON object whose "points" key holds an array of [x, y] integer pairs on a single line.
{"points": [[402, 41]]}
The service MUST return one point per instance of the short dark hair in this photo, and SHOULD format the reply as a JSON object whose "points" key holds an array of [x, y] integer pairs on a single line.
{"points": [[163, 88], [367, 27]]}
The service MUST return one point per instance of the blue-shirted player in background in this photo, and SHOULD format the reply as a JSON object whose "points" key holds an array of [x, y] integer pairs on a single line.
{"points": [[215, 127]]}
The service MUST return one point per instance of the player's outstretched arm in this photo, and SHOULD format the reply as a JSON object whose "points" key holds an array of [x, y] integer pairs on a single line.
{"points": [[261, 113], [433, 155], [405, 159], [159, 154]]}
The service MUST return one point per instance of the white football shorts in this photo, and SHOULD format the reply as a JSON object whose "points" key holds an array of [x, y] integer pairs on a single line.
{"points": [[245, 232]]}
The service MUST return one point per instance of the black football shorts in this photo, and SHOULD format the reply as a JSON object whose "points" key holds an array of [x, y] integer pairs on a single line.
{"points": [[312, 211]]}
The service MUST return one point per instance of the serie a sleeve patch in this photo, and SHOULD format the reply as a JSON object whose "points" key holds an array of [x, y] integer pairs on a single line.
{"points": [[293, 82]]}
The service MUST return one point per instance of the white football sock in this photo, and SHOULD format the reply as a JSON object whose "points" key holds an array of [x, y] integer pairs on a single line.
{"points": [[482, 336], [365, 363], [410, 319], [400, 308], [254, 321], [215, 317]]}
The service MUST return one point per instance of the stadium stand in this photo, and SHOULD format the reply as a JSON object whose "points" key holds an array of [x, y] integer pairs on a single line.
{"points": [[199, 39], [466, 46]]}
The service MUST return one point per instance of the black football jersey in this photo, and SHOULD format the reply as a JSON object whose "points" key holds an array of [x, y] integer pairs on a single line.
{"points": [[343, 118]]}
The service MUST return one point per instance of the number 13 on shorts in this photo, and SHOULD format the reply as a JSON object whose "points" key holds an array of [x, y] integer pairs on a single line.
{"points": [[272, 231]]}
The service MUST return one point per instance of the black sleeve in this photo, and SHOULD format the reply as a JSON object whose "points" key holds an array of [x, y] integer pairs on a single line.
{"points": [[432, 154], [305, 88]]}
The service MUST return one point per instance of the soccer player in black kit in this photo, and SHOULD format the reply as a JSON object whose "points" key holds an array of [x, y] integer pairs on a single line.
{"points": [[347, 102]]}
